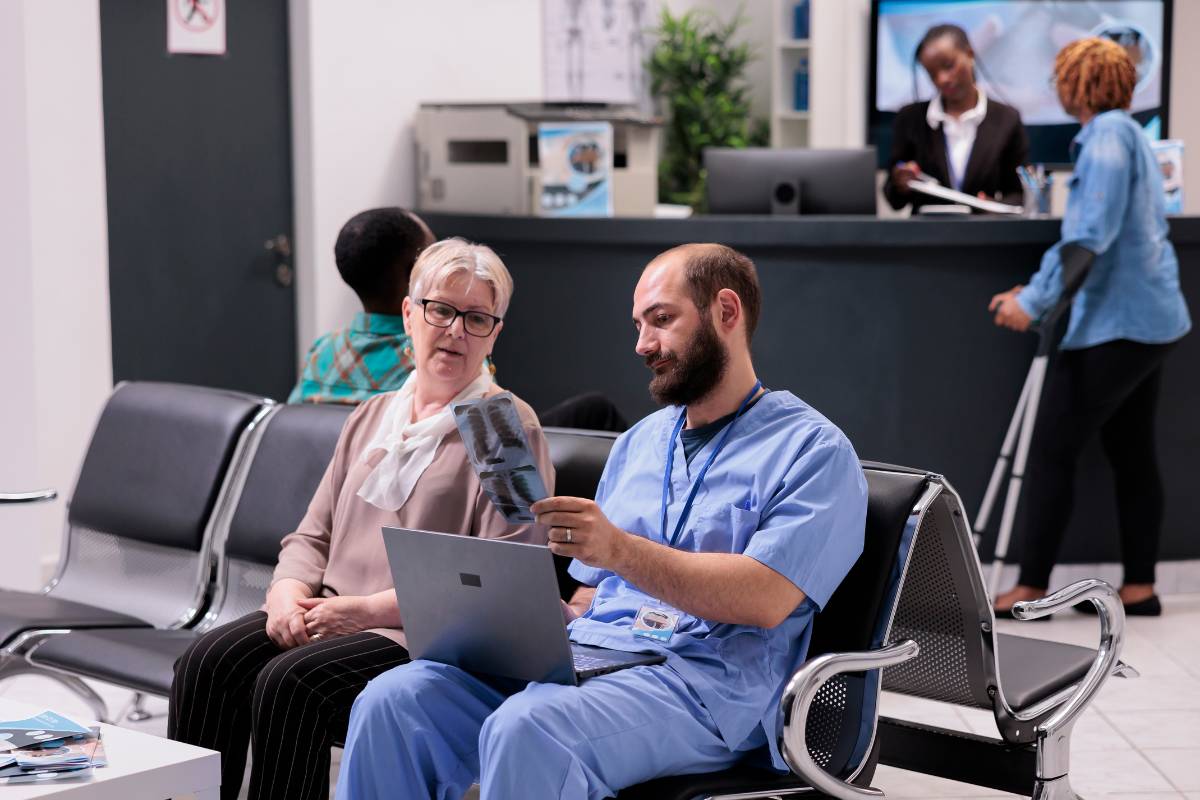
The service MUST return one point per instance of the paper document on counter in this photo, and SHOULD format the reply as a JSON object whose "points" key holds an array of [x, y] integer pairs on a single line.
{"points": [[935, 189], [500, 453]]}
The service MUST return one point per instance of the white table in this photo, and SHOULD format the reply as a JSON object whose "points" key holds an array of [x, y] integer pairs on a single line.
{"points": [[139, 765]]}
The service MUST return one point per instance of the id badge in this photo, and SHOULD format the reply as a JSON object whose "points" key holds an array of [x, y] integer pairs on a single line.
{"points": [[655, 622]]}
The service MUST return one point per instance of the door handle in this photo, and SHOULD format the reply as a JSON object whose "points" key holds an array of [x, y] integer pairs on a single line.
{"points": [[281, 247]]}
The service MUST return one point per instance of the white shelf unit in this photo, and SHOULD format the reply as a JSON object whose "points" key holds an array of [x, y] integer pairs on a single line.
{"points": [[789, 125]]}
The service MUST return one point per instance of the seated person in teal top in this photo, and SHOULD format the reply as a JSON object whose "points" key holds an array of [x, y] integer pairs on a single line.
{"points": [[375, 252], [734, 513]]}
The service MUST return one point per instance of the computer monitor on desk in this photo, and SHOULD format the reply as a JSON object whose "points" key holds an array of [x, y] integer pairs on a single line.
{"points": [[761, 180]]}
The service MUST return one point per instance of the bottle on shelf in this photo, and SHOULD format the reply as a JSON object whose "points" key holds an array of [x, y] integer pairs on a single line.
{"points": [[800, 87], [800, 19]]}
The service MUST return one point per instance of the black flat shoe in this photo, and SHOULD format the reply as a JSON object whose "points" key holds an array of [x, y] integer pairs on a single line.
{"points": [[1150, 607]]}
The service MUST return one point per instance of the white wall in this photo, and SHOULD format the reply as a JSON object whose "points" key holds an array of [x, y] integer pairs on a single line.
{"points": [[360, 68], [1185, 110], [54, 318], [757, 31]]}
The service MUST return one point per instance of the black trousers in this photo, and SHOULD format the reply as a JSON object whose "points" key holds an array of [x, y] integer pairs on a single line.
{"points": [[1111, 389], [234, 687]]}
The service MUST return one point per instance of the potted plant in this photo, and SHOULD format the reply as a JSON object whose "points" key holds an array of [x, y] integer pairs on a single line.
{"points": [[697, 72]]}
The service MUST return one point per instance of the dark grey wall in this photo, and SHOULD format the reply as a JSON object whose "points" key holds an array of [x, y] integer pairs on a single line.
{"points": [[880, 324]]}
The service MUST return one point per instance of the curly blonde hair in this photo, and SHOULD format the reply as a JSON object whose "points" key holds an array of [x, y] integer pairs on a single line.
{"points": [[1095, 75]]}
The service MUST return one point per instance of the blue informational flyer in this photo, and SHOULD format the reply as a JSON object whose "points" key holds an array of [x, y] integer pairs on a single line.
{"points": [[576, 160], [1170, 162]]}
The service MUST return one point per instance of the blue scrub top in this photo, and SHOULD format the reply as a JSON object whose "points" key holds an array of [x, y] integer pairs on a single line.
{"points": [[786, 490]]}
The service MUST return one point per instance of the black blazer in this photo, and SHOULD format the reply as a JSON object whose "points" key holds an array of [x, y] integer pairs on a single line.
{"points": [[1000, 147]]}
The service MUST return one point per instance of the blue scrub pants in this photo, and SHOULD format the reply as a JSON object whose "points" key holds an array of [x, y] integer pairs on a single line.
{"points": [[430, 730]]}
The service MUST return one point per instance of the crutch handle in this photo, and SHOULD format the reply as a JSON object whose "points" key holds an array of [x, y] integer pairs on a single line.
{"points": [[1076, 263]]}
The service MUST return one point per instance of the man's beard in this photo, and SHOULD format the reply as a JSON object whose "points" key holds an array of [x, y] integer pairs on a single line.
{"points": [[693, 374]]}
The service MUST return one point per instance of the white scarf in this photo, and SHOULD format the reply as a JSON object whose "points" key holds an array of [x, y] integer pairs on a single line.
{"points": [[410, 445]]}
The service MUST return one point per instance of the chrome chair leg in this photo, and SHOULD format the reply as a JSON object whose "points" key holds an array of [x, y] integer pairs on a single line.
{"points": [[137, 710], [1054, 789], [11, 666]]}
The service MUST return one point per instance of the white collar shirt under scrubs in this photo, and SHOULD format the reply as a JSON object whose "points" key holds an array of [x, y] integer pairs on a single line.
{"points": [[959, 133], [787, 490]]}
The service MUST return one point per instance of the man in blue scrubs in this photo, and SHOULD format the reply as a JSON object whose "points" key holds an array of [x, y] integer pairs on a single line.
{"points": [[722, 525]]}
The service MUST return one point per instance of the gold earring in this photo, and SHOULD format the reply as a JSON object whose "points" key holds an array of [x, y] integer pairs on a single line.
{"points": [[491, 366], [407, 351]]}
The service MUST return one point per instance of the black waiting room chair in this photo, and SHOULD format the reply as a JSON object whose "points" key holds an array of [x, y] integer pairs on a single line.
{"points": [[141, 521], [1035, 689], [285, 462], [830, 706]]}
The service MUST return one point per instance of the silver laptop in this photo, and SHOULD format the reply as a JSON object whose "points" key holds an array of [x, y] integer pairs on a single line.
{"points": [[492, 607]]}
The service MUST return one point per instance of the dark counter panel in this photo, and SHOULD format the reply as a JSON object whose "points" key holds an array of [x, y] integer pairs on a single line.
{"points": [[746, 232], [881, 325]]}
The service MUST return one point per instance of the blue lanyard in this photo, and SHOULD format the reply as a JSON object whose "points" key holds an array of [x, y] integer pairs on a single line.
{"points": [[687, 506]]}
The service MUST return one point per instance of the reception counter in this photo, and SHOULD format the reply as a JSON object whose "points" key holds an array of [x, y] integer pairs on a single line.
{"points": [[882, 325]]}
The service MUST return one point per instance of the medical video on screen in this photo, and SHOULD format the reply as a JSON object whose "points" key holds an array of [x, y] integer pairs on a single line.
{"points": [[1015, 42]]}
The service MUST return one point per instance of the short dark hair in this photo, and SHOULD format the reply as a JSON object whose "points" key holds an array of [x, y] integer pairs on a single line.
{"points": [[376, 249], [713, 267], [957, 34]]}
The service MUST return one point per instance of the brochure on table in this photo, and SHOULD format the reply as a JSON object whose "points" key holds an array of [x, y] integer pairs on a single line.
{"points": [[48, 747]]}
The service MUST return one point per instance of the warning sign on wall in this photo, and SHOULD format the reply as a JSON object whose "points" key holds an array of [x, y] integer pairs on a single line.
{"points": [[196, 26]]}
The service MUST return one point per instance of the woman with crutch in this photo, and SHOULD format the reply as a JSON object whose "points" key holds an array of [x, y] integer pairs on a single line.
{"points": [[1125, 319]]}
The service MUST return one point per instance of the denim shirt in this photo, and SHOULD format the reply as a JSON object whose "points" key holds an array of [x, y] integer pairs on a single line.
{"points": [[1116, 210]]}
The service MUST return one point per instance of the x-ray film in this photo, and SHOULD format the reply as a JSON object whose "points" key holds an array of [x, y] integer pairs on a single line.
{"points": [[499, 452]]}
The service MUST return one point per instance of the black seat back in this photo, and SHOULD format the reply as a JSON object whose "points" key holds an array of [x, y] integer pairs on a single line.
{"points": [[944, 608], [142, 517], [292, 450], [858, 616], [579, 457]]}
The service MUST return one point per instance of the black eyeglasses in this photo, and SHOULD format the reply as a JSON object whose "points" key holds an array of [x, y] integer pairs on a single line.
{"points": [[442, 315]]}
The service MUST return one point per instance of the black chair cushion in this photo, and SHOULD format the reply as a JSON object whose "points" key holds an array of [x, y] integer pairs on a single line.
{"points": [[296, 447], [27, 611], [1032, 670], [738, 779], [849, 620], [142, 659], [156, 462], [579, 457]]}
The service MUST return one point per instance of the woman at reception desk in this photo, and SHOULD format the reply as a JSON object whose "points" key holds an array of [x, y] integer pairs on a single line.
{"points": [[962, 138]]}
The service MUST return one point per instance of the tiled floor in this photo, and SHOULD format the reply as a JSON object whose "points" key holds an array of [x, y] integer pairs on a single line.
{"points": [[1140, 739]]}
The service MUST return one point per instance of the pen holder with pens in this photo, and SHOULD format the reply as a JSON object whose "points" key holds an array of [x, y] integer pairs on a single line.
{"points": [[1035, 190]]}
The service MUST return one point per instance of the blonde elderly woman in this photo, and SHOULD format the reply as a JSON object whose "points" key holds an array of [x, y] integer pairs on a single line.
{"points": [[282, 680]]}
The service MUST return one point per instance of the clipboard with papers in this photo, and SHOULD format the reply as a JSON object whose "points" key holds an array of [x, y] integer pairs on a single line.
{"points": [[934, 189]]}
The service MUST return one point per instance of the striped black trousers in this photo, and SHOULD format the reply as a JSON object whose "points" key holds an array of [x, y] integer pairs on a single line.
{"points": [[234, 687]]}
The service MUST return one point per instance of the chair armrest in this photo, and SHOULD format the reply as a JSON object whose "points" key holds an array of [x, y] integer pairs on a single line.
{"points": [[1112, 627], [798, 697], [27, 497]]}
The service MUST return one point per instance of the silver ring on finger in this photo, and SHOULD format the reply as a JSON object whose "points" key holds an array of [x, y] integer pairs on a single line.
{"points": [[314, 637], [568, 539]]}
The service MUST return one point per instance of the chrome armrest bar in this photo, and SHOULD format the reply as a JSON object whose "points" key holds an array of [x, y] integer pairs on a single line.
{"points": [[1112, 627], [27, 497], [798, 697]]}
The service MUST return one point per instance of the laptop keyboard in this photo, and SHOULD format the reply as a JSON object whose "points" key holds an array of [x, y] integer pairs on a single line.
{"points": [[584, 662]]}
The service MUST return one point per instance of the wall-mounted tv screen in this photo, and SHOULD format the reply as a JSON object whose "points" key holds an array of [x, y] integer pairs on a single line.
{"points": [[1015, 42]]}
